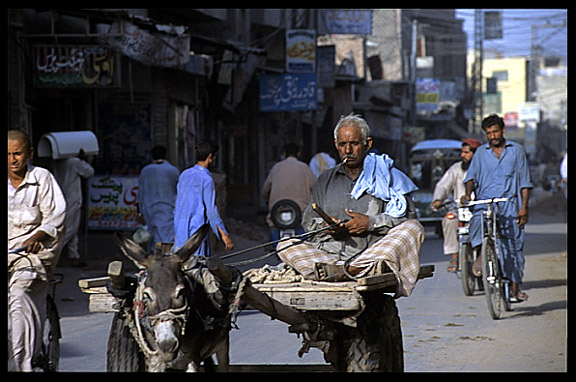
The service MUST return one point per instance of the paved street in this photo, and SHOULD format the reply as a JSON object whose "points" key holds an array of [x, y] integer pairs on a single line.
{"points": [[443, 330]]}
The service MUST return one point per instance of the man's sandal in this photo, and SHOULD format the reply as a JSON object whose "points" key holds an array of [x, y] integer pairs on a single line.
{"points": [[335, 272], [520, 297], [453, 266], [477, 269], [329, 272]]}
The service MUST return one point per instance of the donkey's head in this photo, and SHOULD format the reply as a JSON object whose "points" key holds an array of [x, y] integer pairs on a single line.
{"points": [[164, 293]]}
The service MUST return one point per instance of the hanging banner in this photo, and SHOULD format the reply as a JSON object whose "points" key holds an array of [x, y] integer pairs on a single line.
{"points": [[112, 202], [300, 50], [288, 92], [492, 25], [155, 49], [90, 66], [348, 21]]}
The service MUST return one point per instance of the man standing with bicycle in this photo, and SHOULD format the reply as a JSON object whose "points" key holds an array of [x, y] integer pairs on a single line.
{"points": [[500, 169]]}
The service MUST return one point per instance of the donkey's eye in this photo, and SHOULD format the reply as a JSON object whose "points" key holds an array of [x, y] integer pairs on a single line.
{"points": [[148, 294]]}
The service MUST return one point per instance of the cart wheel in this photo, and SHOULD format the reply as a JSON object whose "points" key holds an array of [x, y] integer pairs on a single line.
{"points": [[123, 352], [376, 343]]}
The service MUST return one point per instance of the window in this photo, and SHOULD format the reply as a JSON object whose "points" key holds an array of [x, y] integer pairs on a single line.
{"points": [[500, 75]]}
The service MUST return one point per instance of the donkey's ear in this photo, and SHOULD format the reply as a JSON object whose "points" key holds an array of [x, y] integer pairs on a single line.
{"points": [[192, 244], [132, 250]]}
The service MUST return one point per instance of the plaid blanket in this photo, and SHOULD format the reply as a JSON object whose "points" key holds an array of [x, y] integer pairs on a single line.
{"points": [[399, 248]]}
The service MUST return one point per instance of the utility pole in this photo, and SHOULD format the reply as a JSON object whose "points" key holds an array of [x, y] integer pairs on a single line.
{"points": [[536, 56], [413, 69], [477, 95]]}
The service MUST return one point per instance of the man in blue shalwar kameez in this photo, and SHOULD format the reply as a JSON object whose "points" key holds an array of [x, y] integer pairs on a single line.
{"points": [[157, 195], [500, 169], [196, 201]]}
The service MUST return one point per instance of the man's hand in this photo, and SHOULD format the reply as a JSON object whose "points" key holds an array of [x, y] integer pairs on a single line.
{"points": [[465, 199], [228, 243], [358, 224], [436, 204], [34, 243], [522, 217]]}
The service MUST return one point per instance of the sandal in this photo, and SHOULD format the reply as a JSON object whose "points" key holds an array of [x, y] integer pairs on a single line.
{"points": [[453, 266], [477, 269], [329, 272], [520, 297]]}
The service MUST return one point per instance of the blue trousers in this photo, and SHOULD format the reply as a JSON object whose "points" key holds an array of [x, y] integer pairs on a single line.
{"points": [[511, 241]]}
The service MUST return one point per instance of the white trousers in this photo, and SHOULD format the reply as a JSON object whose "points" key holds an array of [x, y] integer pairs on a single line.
{"points": [[26, 317]]}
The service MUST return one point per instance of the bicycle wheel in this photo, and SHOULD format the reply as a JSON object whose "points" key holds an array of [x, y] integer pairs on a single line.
{"points": [[466, 275], [491, 278], [51, 338]]}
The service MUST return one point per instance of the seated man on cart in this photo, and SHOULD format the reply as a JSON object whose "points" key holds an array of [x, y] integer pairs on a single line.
{"points": [[376, 232]]}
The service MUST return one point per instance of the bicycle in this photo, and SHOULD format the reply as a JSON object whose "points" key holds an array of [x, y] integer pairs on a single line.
{"points": [[49, 359], [496, 287], [466, 254]]}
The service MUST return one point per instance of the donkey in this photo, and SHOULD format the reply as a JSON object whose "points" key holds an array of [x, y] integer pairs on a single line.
{"points": [[180, 323]]}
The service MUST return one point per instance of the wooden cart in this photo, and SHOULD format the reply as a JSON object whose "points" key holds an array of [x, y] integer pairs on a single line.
{"points": [[354, 323]]}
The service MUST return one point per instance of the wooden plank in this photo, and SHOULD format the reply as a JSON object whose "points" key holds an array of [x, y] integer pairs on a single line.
{"points": [[95, 290], [314, 295], [102, 302], [94, 282], [426, 271], [387, 281], [313, 286], [377, 279]]}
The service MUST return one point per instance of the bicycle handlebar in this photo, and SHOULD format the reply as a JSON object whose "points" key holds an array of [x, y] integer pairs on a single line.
{"points": [[18, 250], [487, 201]]}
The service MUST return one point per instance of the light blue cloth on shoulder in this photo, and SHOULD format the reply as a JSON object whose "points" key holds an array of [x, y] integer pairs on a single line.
{"points": [[381, 180]]}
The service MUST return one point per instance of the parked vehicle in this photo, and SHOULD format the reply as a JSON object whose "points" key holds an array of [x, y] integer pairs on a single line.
{"points": [[428, 161], [287, 217]]}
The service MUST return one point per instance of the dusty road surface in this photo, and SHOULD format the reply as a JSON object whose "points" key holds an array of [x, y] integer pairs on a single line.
{"points": [[444, 330]]}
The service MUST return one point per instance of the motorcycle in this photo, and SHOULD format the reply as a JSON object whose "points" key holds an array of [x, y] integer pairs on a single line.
{"points": [[466, 254], [287, 217]]}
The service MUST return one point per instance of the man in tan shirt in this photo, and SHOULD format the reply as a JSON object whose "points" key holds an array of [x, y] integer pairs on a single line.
{"points": [[289, 179]]}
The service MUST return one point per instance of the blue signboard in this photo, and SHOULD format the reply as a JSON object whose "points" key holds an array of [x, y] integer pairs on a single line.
{"points": [[348, 21], [288, 92]]}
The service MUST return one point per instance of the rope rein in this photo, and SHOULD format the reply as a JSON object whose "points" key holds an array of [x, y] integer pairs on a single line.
{"points": [[300, 238]]}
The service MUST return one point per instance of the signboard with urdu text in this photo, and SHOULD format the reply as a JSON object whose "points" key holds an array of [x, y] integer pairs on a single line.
{"points": [[300, 50], [288, 92], [348, 21], [427, 94], [89, 66], [112, 202]]}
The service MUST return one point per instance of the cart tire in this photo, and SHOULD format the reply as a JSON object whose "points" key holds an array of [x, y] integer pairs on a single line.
{"points": [[123, 353], [376, 343]]}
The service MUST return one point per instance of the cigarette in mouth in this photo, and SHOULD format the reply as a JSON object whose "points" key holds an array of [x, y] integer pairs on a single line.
{"points": [[345, 160]]}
